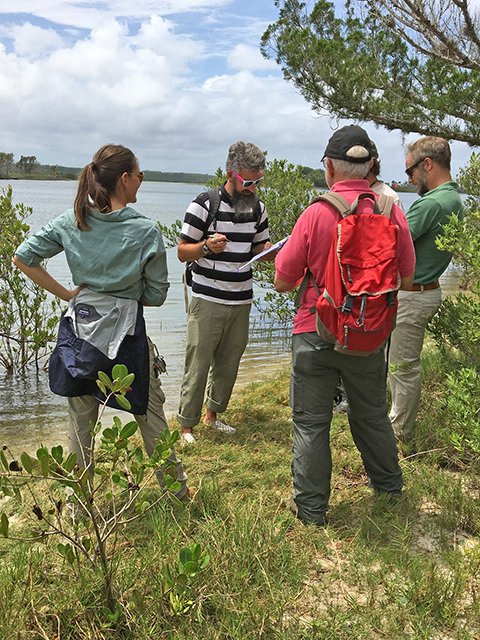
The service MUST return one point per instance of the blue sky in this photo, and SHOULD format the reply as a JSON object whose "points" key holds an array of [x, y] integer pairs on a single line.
{"points": [[175, 80]]}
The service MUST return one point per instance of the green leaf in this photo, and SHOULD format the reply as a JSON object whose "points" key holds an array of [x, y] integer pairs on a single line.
{"points": [[57, 454], [4, 525], [205, 561], [191, 567], [168, 481], [86, 544], [43, 451], [27, 462], [172, 471], [196, 551], [140, 475], [123, 402], [185, 555], [127, 381], [70, 462], [138, 453], [128, 430], [4, 460], [176, 502], [176, 486], [121, 444], [119, 371], [105, 379], [102, 387], [45, 466], [70, 555]]}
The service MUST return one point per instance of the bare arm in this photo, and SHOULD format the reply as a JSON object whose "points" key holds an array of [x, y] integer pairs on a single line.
{"points": [[190, 251], [281, 286], [46, 281], [406, 283]]}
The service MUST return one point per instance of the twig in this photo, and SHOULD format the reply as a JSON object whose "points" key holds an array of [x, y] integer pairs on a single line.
{"points": [[422, 453]]}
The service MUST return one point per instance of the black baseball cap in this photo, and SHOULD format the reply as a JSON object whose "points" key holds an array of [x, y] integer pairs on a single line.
{"points": [[345, 139]]}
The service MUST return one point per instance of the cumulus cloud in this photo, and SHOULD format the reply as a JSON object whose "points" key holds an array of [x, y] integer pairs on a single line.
{"points": [[30, 40], [138, 86], [247, 57]]}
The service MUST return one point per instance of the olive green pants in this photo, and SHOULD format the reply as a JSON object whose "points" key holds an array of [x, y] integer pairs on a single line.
{"points": [[217, 335]]}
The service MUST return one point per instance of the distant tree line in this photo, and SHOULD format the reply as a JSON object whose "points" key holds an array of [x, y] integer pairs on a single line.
{"points": [[28, 168]]}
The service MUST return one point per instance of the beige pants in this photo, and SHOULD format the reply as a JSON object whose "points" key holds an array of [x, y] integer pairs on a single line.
{"points": [[415, 310], [83, 409]]}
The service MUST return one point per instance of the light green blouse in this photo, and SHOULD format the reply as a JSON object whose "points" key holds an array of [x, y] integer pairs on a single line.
{"points": [[122, 254]]}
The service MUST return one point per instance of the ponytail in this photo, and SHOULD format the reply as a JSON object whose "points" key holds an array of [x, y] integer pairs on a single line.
{"points": [[99, 181]]}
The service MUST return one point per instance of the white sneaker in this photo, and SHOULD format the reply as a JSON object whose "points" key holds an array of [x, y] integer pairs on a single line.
{"points": [[221, 426], [188, 438]]}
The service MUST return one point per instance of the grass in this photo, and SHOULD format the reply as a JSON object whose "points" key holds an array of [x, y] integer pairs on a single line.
{"points": [[377, 571]]}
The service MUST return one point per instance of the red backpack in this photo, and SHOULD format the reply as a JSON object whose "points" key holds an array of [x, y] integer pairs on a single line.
{"points": [[357, 308]]}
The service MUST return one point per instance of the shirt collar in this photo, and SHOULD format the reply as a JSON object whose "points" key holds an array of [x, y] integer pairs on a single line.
{"points": [[127, 213]]}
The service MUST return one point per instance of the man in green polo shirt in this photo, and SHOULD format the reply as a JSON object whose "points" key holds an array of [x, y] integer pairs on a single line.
{"points": [[428, 168]]}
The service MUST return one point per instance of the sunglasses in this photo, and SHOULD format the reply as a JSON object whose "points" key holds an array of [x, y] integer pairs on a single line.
{"points": [[409, 170], [249, 183]]}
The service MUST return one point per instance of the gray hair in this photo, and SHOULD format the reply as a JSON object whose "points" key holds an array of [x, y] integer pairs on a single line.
{"points": [[437, 149], [245, 156], [351, 170]]}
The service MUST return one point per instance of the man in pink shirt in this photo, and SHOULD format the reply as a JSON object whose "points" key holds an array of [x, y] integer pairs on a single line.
{"points": [[316, 367]]}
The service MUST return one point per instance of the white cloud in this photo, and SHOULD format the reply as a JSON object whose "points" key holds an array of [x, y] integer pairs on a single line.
{"points": [[89, 14], [30, 40], [247, 57], [62, 101]]}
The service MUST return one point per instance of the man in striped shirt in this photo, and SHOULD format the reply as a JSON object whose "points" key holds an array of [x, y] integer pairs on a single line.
{"points": [[218, 316]]}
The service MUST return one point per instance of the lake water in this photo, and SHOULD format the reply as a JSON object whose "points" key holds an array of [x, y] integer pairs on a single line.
{"points": [[31, 415]]}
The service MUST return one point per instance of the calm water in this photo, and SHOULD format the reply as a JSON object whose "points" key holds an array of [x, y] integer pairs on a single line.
{"points": [[31, 415]]}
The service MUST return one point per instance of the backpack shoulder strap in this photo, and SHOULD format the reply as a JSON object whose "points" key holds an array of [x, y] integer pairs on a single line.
{"points": [[385, 204], [336, 200], [301, 290], [214, 199]]}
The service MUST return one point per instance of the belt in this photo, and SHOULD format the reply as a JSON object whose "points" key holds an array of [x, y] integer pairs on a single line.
{"points": [[425, 287]]}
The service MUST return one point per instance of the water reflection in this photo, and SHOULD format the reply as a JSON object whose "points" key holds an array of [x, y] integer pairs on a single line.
{"points": [[31, 415]]}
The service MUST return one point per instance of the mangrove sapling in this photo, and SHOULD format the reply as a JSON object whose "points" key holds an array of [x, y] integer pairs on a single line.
{"points": [[27, 320], [100, 502]]}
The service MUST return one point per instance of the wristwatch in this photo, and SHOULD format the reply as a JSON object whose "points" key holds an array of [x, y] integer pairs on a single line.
{"points": [[205, 249]]}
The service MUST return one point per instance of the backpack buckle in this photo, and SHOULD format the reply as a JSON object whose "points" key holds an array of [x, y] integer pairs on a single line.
{"points": [[347, 304]]}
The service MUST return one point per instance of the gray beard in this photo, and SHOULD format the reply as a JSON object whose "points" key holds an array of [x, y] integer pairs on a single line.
{"points": [[243, 205]]}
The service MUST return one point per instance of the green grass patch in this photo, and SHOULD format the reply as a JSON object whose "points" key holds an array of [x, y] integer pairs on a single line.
{"points": [[377, 571]]}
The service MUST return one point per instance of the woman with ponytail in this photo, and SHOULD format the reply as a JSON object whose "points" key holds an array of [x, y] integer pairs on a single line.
{"points": [[118, 264]]}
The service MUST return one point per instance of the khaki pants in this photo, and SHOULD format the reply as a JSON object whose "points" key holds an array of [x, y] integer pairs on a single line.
{"points": [[415, 310], [217, 335], [83, 409]]}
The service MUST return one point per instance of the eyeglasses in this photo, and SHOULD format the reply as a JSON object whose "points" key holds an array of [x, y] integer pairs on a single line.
{"points": [[249, 183], [409, 170]]}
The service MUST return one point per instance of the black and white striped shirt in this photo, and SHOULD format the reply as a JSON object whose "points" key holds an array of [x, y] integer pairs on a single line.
{"points": [[214, 276]]}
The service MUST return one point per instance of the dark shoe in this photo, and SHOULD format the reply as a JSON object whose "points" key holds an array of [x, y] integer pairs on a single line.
{"points": [[294, 510], [391, 496]]}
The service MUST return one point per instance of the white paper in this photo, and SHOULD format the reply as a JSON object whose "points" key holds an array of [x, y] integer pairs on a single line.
{"points": [[274, 247]]}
